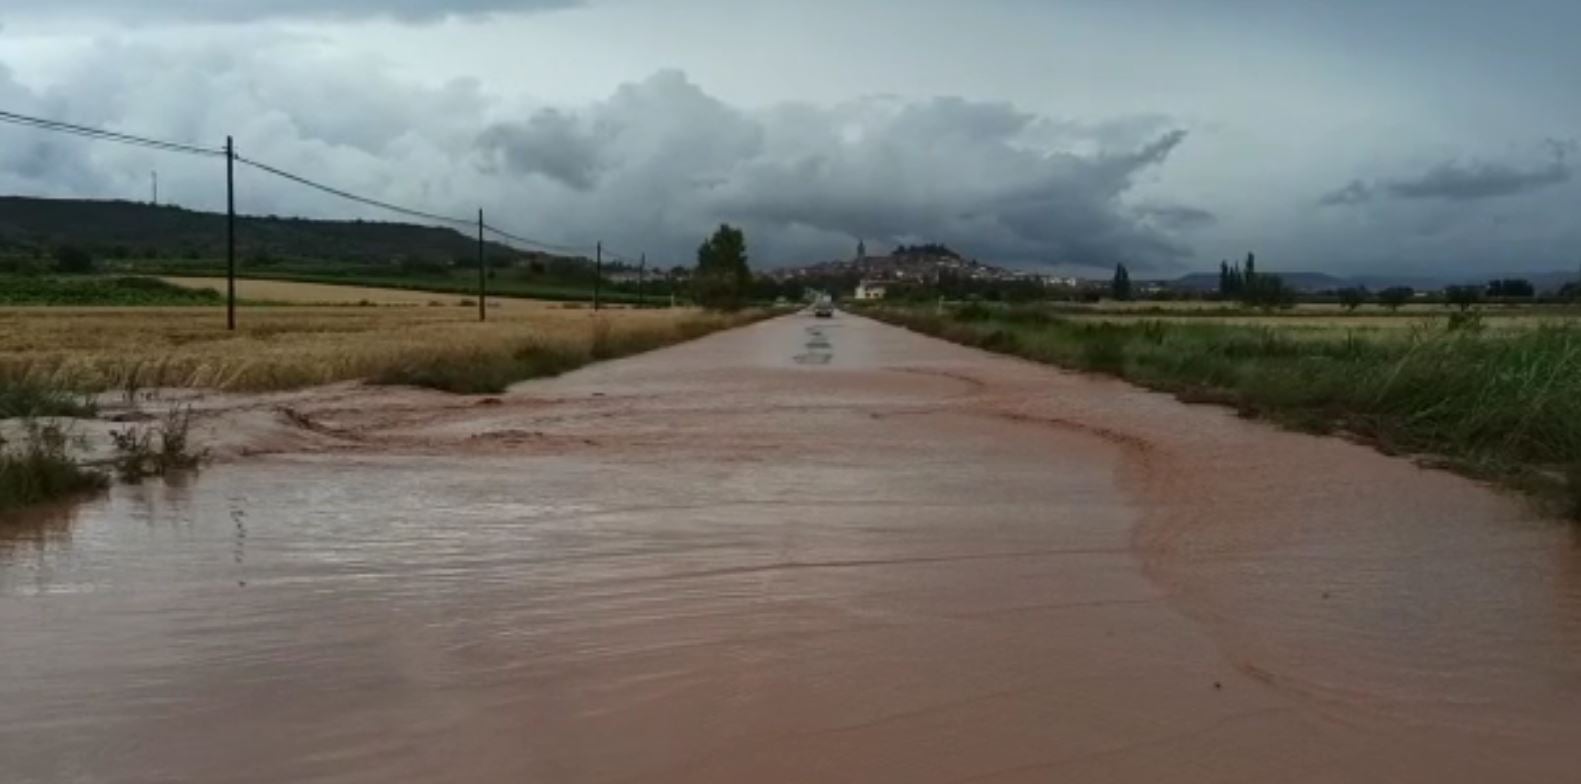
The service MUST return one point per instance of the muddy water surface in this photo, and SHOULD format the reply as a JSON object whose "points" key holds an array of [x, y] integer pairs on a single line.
{"points": [[809, 550]]}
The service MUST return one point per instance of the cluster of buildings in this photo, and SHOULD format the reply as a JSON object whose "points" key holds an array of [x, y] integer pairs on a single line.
{"points": [[922, 265]]}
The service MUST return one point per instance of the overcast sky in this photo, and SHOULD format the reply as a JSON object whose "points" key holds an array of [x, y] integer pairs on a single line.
{"points": [[1409, 136]]}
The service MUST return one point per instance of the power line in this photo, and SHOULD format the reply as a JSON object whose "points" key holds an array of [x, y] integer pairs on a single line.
{"points": [[535, 244], [101, 134], [110, 136], [414, 213], [349, 196]]}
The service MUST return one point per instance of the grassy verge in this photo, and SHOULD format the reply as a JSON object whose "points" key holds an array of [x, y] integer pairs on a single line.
{"points": [[490, 370], [1500, 405], [22, 290], [38, 469]]}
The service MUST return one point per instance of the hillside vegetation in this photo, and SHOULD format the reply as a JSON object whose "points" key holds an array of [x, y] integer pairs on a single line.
{"points": [[128, 230]]}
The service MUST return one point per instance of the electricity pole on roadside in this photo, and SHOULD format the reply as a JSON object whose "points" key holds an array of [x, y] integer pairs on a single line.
{"points": [[230, 233], [642, 282], [598, 276], [483, 276]]}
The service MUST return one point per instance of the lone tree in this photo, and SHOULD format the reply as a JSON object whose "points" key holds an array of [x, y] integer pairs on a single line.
{"points": [[1352, 298], [1395, 296], [1462, 297], [722, 280], [1121, 287]]}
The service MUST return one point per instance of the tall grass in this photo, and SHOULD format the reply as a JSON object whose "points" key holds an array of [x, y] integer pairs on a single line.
{"points": [[37, 469], [23, 397], [1503, 404]]}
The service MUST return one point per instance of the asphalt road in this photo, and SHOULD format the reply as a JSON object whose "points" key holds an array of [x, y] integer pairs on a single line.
{"points": [[804, 551]]}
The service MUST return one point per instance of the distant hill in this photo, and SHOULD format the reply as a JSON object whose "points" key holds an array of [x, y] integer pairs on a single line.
{"points": [[133, 230]]}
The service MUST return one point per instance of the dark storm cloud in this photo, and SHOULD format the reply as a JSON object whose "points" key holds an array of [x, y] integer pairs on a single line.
{"points": [[551, 144], [1454, 181], [650, 168], [1463, 182], [1356, 192], [1177, 217], [810, 180], [253, 10]]}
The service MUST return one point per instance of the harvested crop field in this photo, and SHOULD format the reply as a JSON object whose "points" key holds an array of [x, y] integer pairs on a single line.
{"points": [[290, 292], [95, 349]]}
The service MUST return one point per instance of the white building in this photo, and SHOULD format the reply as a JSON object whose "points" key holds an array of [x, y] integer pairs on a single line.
{"points": [[870, 290]]}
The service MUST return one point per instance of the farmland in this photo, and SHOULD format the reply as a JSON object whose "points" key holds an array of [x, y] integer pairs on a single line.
{"points": [[290, 346], [27, 290]]}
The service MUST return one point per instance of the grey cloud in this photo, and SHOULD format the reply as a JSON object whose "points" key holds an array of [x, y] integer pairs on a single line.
{"points": [[1356, 192], [552, 144], [254, 10], [1177, 217], [1454, 181], [650, 168], [1469, 182]]}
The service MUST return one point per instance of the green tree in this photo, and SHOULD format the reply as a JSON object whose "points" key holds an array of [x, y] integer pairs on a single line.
{"points": [[1462, 297], [1395, 296], [73, 260], [1120, 289], [1352, 298], [723, 280], [1511, 287], [1268, 292]]}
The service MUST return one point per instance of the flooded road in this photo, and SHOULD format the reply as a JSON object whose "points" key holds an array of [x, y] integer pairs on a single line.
{"points": [[808, 550]]}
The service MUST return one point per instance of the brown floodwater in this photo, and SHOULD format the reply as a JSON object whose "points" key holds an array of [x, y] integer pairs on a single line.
{"points": [[803, 551]]}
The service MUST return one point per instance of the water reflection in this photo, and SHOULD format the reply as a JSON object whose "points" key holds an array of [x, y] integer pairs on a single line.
{"points": [[36, 529]]}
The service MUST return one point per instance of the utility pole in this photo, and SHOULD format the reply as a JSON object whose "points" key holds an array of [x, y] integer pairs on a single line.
{"points": [[483, 275], [155, 176], [230, 233], [642, 282], [598, 276]]}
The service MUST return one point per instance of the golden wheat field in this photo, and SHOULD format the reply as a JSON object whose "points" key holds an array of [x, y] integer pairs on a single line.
{"points": [[327, 294], [281, 347]]}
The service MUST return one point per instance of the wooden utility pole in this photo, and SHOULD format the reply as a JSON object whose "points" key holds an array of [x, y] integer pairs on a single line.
{"points": [[642, 282], [230, 233], [483, 276], [598, 276]]}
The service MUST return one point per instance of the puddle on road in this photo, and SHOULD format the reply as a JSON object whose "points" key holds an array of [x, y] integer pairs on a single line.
{"points": [[819, 348]]}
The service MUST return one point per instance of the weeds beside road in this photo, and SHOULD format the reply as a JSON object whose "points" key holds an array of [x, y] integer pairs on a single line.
{"points": [[1502, 405]]}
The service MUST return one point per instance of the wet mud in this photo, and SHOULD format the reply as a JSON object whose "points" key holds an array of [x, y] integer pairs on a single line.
{"points": [[808, 550]]}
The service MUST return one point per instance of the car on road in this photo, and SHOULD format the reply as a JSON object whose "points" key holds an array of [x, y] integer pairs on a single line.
{"points": [[824, 309]]}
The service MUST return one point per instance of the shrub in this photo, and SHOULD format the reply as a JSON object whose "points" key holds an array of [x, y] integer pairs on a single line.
{"points": [[73, 260], [973, 311], [39, 469], [1395, 296], [21, 398], [137, 456]]}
